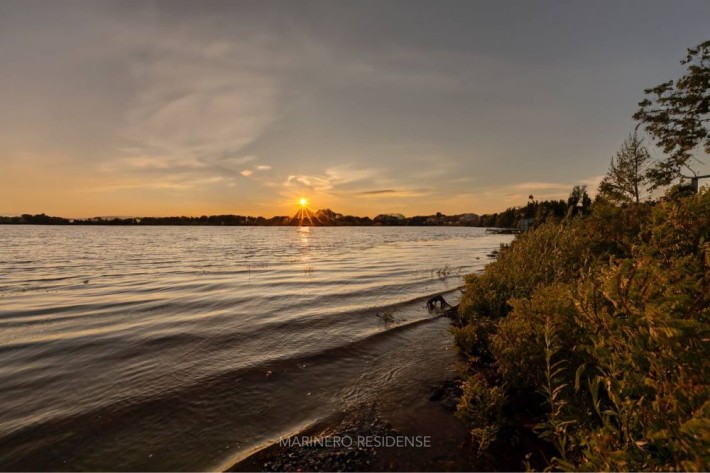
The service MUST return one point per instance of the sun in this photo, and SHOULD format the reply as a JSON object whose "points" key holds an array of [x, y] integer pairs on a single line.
{"points": [[304, 214]]}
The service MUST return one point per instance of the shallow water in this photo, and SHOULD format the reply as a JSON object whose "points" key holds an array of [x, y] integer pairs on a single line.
{"points": [[182, 348]]}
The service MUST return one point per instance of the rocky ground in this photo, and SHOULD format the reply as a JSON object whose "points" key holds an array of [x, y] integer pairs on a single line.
{"points": [[364, 422]]}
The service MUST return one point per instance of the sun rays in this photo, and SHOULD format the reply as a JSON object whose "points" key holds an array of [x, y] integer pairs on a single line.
{"points": [[304, 215]]}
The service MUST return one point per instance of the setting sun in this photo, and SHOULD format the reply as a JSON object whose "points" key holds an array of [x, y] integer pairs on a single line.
{"points": [[303, 202]]}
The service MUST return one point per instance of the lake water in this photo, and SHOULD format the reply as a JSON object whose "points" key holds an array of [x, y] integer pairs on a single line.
{"points": [[184, 348]]}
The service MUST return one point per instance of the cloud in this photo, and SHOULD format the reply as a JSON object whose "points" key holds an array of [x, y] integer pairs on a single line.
{"points": [[378, 192], [250, 172], [315, 183], [168, 182], [393, 193], [236, 161], [331, 179], [153, 163], [541, 186], [196, 93], [517, 194], [592, 184]]}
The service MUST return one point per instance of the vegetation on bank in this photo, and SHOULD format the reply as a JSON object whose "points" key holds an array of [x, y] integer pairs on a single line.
{"points": [[597, 329], [594, 330]]}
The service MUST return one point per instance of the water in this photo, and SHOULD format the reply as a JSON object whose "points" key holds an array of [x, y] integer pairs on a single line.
{"points": [[184, 348]]}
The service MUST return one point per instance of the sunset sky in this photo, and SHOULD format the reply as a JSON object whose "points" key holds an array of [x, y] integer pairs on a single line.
{"points": [[162, 108]]}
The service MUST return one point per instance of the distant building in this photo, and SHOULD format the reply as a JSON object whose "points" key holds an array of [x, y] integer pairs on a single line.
{"points": [[525, 224]]}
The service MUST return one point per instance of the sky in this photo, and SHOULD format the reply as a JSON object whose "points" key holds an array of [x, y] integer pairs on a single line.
{"points": [[128, 108]]}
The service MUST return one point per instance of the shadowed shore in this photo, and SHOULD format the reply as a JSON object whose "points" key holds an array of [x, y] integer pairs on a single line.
{"points": [[356, 440], [422, 420]]}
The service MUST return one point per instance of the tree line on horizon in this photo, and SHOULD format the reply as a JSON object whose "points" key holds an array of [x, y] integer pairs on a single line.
{"points": [[509, 218]]}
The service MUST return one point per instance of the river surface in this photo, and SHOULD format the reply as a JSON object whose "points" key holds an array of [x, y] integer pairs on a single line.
{"points": [[186, 348]]}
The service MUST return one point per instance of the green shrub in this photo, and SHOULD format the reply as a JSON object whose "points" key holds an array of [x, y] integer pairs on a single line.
{"points": [[552, 252], [473, 339], [607, 318], [480, 407], [519, 343], [647, 317]]}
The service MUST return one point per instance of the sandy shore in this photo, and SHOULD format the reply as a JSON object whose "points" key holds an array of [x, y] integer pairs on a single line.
{"points": [[411, 430], [422, 434]]}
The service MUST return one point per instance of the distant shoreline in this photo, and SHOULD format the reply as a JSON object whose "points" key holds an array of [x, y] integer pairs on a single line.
{"points": [[513, 217], [108, 224], [337, 220]]}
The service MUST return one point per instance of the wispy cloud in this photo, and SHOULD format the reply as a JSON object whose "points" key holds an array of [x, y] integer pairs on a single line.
{"points": [[379, 192], [394, 193], [330, 180], [235, 161], [592, 183], [153, 163], [195, 98], [170, 182], [541, 186]]}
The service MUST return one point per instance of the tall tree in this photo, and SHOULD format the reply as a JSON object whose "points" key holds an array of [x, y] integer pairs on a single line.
{"points": [[578, 200], [627, 179], [677, 115]]}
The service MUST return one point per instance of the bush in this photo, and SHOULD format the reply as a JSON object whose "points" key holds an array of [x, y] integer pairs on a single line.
{"points": [[480, 406], [519, 343], [473, 339], [606, 317]]}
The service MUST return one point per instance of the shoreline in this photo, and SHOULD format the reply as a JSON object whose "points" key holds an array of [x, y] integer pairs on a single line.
{"points": [[367, 439], [418, 422], [356, 441], [423, 432]]}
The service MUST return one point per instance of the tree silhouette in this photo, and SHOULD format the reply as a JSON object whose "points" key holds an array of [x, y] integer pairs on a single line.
{"points": [[677, 114], [578, 200], [627, 179]]}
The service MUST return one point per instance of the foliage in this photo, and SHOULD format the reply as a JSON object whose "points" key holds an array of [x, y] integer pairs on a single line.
{"points": [[627, 179], [559, 249], [480, 406], [541, 211], [606, 319], [677, 113], [473, 339], [519, 344]]}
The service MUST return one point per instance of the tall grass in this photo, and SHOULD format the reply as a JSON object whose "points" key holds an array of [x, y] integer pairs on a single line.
{"points": [[597, 327]]}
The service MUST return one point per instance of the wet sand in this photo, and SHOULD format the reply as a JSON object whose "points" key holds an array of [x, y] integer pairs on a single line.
{"points": [[414, 404]]}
